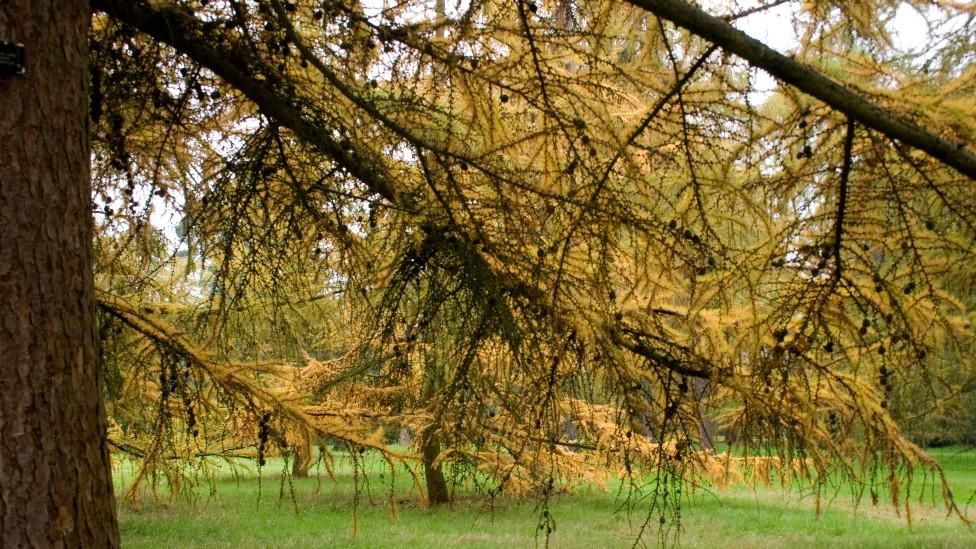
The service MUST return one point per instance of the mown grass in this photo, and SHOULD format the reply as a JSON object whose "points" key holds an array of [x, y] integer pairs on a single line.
{"points": [[243, 511]]}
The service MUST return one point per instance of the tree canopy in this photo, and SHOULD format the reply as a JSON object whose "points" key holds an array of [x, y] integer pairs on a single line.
{"points": [[551, 239]]}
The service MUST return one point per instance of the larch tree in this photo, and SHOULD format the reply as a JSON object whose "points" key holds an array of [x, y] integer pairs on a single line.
{"points": [[595, 199], [562, 237], [55, 480]]}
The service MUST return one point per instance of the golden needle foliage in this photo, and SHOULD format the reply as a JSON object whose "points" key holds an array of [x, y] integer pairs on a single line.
{"points": [[553, 240]]}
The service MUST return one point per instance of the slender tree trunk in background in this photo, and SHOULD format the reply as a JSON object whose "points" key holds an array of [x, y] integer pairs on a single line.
{"points": [[55, 478], [302, 457], [440, 10], [437, 492], [706, 423], [430, 444]]}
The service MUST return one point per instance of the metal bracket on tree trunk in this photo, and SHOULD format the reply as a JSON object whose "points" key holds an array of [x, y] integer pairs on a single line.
{"points": [[11, 58]]}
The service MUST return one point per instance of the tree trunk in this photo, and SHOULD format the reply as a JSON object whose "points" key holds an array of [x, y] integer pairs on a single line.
{"points": [[55, 478], [302, 456], [706, 423], [437, 493], [429, 440]]}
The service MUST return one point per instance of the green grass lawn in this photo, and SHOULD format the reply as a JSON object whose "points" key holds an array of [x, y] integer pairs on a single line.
{"points": [[230, 513]]}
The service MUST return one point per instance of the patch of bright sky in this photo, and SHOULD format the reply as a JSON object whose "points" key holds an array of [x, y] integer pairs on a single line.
{"points": [[774, 27]]}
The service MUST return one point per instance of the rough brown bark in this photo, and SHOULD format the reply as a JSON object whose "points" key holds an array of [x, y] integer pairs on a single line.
{"points": [[55, 478]]}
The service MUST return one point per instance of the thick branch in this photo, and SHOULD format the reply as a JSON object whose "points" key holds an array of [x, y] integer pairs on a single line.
{"points": [[689, 365], [231, 62], [810, 81], [845, 173]]}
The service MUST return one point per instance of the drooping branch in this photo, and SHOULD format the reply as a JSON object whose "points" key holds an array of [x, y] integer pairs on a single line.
{"points": [[230, 61], [141, 453], [228, 375], [257, 81], [845, 174], [810, 81], [680, 359]]}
